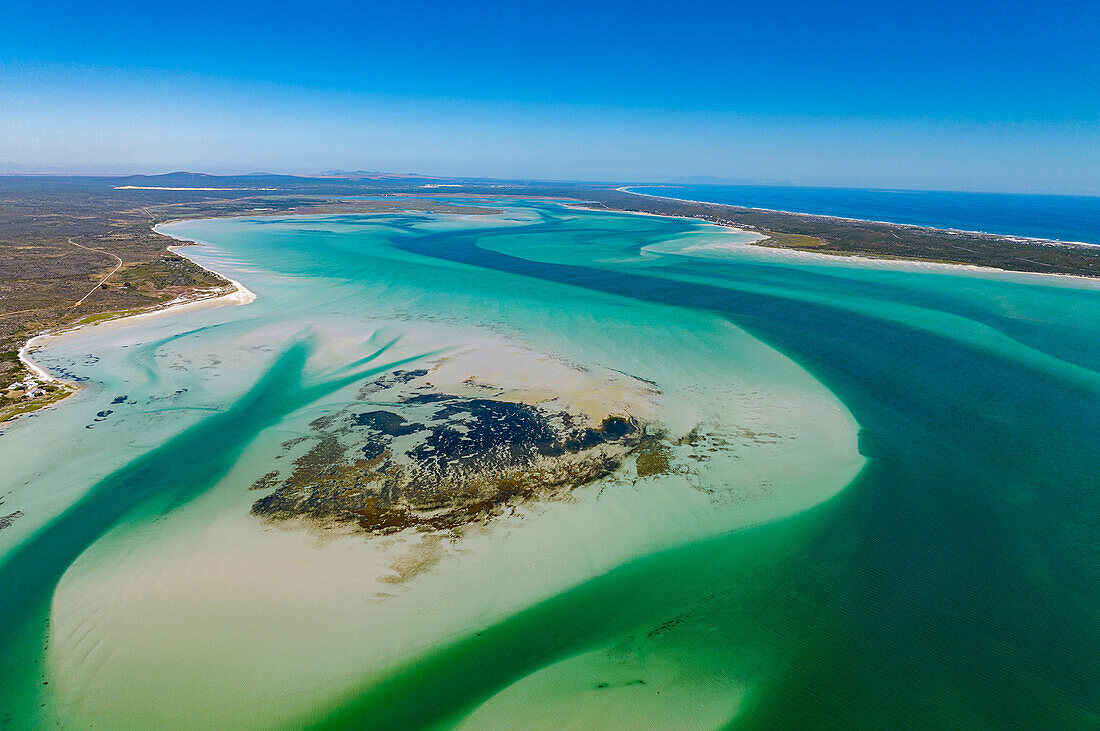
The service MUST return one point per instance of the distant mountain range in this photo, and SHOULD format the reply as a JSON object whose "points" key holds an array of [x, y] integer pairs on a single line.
{"points": [[374, 175], [183, 176], [133, 175]]}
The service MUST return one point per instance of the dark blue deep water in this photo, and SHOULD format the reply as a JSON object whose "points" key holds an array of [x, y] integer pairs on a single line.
{"points": [[1059, 217]]}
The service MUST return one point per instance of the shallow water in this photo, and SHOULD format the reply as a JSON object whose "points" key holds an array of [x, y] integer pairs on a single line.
{"points": [[894, 519]]}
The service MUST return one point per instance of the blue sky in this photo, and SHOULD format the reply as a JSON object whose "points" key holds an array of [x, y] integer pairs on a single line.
{"points": [[949, 95]]}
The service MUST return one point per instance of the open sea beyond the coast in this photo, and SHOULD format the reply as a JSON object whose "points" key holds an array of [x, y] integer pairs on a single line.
{"points": [[871, 496], [1057, 217]]}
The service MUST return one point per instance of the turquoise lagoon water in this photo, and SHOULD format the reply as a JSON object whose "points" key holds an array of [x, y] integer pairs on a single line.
{"points": [[914, 542]]}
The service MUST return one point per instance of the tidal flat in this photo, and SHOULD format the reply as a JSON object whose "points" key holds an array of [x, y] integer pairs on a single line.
{"points": [[533, 465]]}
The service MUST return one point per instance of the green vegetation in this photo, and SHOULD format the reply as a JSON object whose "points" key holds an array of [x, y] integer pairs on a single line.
{"points": [[16, 403], [791, 241]]}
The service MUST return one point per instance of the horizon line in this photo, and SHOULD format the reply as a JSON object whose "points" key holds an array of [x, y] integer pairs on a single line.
{"points": [[671, 181]]}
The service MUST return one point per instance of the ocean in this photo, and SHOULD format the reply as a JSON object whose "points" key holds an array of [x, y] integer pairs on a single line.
{"points": [[1056, 217], [879, 507]]}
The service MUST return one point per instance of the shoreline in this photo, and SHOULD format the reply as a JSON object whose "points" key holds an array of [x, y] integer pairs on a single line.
{"points": [[920, 227], [236, 294]]}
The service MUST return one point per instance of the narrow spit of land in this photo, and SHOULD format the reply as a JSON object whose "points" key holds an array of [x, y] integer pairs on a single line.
{"points": [[853, 237]]}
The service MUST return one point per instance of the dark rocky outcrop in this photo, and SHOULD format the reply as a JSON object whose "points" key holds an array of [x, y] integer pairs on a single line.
{"points": [[438, 460]]}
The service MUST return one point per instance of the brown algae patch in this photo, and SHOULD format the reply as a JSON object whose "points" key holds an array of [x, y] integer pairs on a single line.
{"points": [[268, 481], [653, 458], [466, 462], [426, 449]]}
